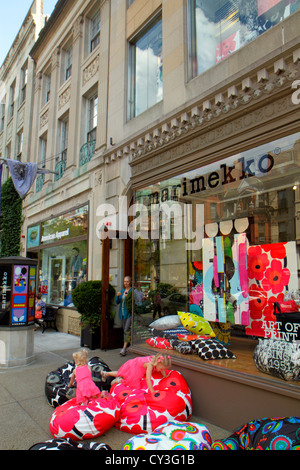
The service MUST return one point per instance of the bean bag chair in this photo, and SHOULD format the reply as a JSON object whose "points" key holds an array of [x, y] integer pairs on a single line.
{"points": [[264, 434], [172, 435], [141, 412], [278, 358], [81, 422], [68, 444], [56, 386]]}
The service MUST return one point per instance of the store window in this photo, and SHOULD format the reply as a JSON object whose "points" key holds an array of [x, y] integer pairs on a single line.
{"points": [[222, 242], [145, 69], [217, 29], [62, 247]]}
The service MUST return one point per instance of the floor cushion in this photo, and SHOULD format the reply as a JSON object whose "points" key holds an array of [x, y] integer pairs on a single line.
{"points": [[172, 435], [166, 322], [141, 412], [264, 434], [183, 347], [69, 444], [278, 358], [196, 324], [80, 422], [56, 386], [209, 349], [160, 343]]}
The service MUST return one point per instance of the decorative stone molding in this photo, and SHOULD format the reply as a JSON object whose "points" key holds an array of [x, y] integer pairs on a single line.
{"points": [[64, 98], [44, 118], [55, 58], [77, 28], [91, 69], [98, 178], [38, 82], [260, 85]]}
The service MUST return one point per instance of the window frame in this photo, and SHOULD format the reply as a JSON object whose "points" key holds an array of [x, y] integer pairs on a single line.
{"points": [[92, 117], [132, 65], [24, 81], [95, 31]]}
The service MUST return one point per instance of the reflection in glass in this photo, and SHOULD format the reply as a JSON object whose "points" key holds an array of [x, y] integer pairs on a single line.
{"points": [[61, 269], [145, 70], [219, 28]]}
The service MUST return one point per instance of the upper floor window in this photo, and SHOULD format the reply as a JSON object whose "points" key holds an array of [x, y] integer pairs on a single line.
{"points": [[145, 69], [46, 87], [20, 145], [2, 114], [12, 93], [42, 152], [92, 119], [95, 31], [8, 151], [130, 2], [24, 79], [68, 53], [63, 139], [217, 29]]}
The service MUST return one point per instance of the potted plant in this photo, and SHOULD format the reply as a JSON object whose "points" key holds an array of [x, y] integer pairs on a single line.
{"points": [[87, 299]]}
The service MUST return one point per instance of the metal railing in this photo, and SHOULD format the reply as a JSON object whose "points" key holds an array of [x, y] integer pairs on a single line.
{"points": [[39, 182], [60, 166], [86, 152]]}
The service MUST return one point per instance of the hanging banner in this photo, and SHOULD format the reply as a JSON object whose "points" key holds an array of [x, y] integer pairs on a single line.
{"points": [[225, 286]]}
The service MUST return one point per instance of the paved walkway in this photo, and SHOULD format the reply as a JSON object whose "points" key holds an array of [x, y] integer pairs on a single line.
{"points": [[24, 410]]}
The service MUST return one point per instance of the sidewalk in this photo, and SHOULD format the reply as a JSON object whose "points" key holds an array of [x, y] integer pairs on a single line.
{"points": [[24, 410]]}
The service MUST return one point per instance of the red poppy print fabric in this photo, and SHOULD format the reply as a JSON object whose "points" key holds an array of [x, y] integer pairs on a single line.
{"points": [[272, 271], [80, 422], [141, 411]]}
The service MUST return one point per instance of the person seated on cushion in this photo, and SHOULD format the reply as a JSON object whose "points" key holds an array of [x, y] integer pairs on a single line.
{"points": [[134, 370]]}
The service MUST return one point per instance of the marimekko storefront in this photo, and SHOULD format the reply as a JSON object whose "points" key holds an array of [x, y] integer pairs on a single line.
{"points": [[215, 248]]}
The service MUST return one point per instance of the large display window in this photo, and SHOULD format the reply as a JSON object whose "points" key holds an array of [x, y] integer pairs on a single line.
{"points": [[221, 243], [62, 247]]}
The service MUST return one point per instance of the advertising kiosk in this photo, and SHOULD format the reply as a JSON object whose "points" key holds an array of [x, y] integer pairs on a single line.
{"points": [[18, 280]]}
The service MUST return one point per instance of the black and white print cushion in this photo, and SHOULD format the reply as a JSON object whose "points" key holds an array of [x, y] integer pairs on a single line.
{"points": [[69, 444], [211, 349], [183, 347], [278, 358]]}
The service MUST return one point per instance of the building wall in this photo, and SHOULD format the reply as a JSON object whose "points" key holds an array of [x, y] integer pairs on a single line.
{"points": [[11, 73]]}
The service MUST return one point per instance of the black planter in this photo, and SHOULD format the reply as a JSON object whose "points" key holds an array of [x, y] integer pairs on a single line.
{"points": [[90, 339]]}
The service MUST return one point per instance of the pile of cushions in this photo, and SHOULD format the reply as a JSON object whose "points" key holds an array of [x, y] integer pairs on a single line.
{"points": [[188, 333], [131, 410]]}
